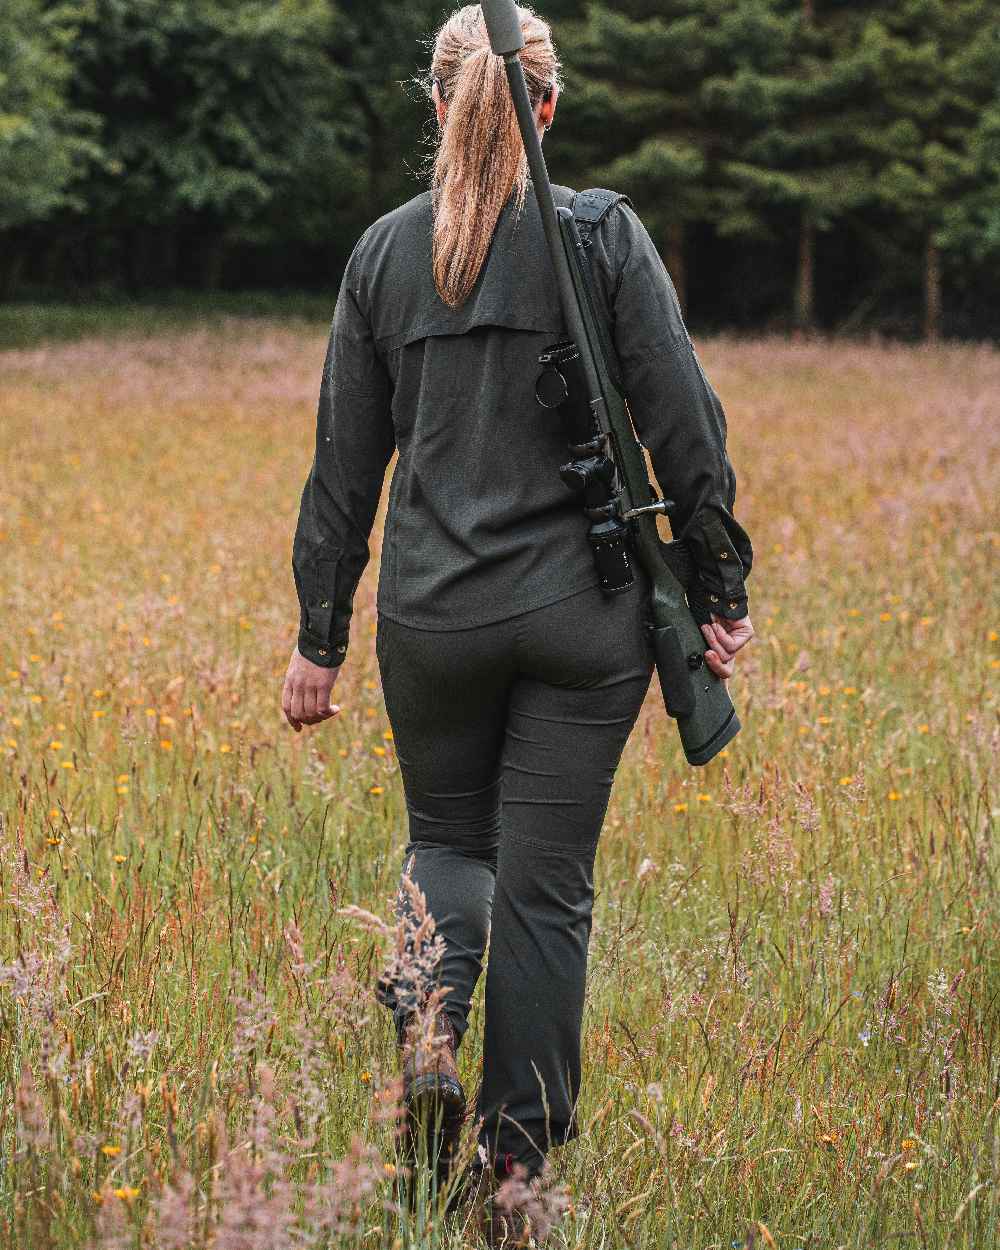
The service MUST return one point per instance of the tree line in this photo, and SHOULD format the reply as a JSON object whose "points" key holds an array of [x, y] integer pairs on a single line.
{"points": [[829, 164]]}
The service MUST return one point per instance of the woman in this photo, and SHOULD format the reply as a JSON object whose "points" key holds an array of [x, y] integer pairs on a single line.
{"points": [[511, 682]]}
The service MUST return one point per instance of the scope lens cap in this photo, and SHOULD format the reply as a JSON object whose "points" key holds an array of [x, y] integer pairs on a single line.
{"points": [[550, 388]]}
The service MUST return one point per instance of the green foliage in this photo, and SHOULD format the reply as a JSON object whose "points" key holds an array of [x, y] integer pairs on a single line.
{"points": [[44, 142], [227, 142], [971, 224], [937, 64], [210, 107]]}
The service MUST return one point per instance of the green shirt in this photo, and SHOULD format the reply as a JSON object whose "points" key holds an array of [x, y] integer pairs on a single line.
{"points": [[479, 526]]}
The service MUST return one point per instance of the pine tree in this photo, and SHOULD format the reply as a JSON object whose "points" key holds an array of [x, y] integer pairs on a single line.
{"points": [[794, 126], [637, 108], [929, 141]]}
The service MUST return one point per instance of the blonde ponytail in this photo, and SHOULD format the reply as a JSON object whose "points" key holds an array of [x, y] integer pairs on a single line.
{"points": [[480, 157]]}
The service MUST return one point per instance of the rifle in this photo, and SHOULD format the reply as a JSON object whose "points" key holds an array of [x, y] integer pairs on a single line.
{"points": [[620, 500]]}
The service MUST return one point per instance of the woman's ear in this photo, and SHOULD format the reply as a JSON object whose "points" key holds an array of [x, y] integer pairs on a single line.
{"points": [[439, 104], [547, 105]]}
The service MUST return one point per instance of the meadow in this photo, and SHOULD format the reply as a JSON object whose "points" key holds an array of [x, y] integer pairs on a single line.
{"points": [[792, 1034]]}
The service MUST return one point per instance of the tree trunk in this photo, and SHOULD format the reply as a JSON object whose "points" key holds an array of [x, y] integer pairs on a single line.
{"points": [[675, 262], [932, 291], [12, 271], [376, 145], [805, 283], [213, 256]]}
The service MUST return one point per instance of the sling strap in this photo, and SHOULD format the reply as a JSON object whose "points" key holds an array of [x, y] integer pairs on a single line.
{"points": [[590, 207]]}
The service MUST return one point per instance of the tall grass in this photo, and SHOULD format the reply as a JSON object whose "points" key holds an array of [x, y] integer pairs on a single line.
{"points": [[791, 1035]]}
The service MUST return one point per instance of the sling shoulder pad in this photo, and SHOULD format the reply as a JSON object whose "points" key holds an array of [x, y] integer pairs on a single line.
{"points": [[592, 205]]}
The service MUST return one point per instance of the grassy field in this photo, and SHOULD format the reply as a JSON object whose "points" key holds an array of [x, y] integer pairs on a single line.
{"points": [[793, 1024]]}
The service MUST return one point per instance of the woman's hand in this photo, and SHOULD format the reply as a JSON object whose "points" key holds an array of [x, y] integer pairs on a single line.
{"points": [[725, 638], [305, 697]]}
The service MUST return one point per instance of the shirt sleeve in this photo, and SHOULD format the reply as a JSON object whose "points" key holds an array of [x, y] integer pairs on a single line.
{"points": [[678, 417], [355, 439]]}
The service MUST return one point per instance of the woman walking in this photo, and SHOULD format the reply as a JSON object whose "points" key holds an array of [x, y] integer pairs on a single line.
{"points": [[511, 681]]}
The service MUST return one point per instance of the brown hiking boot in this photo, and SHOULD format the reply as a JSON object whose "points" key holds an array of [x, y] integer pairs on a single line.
{"points": [[434, 1099]]}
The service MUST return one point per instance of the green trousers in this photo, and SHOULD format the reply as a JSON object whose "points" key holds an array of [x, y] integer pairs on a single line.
{"points": [[508, 736]]}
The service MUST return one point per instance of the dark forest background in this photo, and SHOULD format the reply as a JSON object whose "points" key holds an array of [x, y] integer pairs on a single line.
{"points": [[800, 163]]}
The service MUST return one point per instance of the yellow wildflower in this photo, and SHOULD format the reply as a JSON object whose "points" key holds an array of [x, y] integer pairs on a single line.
{"points": [[126, 1193], [376, 789], [110, 1150], [378, 750], [166, 744], [680, 807], [55, 745], [846, 781], [894, 796]]}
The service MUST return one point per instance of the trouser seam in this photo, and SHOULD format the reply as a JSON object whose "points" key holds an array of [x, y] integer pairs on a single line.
{"points": [[559, 848]]}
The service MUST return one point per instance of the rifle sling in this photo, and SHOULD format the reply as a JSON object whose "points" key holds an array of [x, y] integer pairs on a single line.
{"points": [[589, 208]]}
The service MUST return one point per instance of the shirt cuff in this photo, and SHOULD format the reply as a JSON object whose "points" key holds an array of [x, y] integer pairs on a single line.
{"points": [[703, 601], [325, 654]]}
